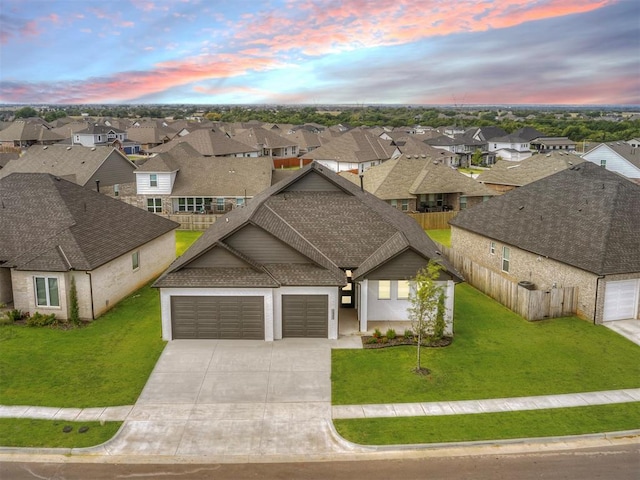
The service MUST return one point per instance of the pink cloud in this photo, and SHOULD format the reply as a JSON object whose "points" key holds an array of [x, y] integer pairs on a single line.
{"points": [[30, 29]]}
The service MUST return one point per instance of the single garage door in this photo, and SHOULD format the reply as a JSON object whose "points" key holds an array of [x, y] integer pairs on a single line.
{"points": [[218, 317], [305, 316], [621, 300]]}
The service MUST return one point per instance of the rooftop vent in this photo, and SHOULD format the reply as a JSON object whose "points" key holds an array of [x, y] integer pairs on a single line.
{"points": [[45, 147], [93, 149], [68, 148]]}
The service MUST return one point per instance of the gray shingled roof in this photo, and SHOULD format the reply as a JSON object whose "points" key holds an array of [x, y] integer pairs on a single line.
{"points": [[77, 162], [354, 146], [258, 138], [584, 216], [50, 224], [335, 230], [208, 143], [528, 170]]}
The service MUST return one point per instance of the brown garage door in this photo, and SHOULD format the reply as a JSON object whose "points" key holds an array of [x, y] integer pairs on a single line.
{"points": [[305, 316], [217, 317]]}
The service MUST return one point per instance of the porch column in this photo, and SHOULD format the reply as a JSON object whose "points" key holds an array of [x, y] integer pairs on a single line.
{"points": [[362, 311]]}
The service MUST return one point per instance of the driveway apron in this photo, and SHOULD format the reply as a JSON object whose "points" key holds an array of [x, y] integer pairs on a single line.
{"points": [[234, 398]]}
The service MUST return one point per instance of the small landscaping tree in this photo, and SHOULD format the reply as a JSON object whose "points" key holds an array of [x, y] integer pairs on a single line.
{"points": [[74, 310], [424, 300]]}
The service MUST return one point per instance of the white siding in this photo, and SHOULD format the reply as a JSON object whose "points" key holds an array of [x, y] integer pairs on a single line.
{"points": [[339, 166], [165, 183], [614, 162]]}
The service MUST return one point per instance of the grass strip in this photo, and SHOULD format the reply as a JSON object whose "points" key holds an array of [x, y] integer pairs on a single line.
{"points": [[27, 432], [442, 236], [491, 426]]}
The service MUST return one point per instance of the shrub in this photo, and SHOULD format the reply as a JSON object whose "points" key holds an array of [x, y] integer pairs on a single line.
{"points": [[377, 333], [40, 320], [391, 334], [5, 320], [372, 340], [74, 309], [15, 315], [408, 334]]}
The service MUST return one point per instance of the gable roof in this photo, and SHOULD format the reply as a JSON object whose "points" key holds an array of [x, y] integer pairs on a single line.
{"points": [[28, 132], [336, 226], [623, 149], [259, 138], [208, 143], [76, 163], [584, 216], [354, 146], [56, 225], [533, 168], [410, 175]]}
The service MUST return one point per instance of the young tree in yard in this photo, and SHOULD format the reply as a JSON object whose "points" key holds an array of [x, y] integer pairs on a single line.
{"points": [[424, 300]]}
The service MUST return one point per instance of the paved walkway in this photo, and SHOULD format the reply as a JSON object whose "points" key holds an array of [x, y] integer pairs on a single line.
{"points": [[626, 328]]}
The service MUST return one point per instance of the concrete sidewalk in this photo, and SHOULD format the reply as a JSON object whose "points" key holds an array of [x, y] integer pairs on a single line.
{"points": [[486, 406]]}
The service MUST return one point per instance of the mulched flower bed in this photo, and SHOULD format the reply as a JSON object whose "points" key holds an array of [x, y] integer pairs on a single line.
{"points": [[384, 342]]}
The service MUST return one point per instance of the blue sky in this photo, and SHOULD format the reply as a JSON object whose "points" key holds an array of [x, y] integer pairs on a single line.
{"points": [[320, 51]]}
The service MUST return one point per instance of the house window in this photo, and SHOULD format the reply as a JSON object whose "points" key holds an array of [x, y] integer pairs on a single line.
{"points": [[463, 203], [405, 205], [384, 289], [492, 248], [220, 204], [603, 163], [47, 292], [153, 180], [403, 289], [116, 190], [135, 260], [154, 205], [394, 203], [240, 202], [194, 204], [506, 251]]}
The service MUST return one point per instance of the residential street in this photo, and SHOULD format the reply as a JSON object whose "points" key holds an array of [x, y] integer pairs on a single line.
{"points": [[618, 462]]}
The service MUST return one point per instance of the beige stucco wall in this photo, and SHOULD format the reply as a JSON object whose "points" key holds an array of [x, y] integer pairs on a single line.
{"points": [[544, 272], [108, 284]]}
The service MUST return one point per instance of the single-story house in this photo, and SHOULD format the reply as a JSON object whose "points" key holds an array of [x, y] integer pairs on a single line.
{"points": [[579, 227], [293, 260], [506, 175], [54, 231]]}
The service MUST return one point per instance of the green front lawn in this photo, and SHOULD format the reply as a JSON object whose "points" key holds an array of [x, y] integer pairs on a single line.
{"points": [[26, 432], [491, 426], [105, 363], [184, 239], [495, 354]]}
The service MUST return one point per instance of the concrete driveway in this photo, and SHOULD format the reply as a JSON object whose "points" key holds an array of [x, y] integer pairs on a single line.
{"points": [[626, 328], [234, 398]]}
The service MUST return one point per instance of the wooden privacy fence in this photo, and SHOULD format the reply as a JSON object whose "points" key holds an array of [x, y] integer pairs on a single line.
{"points": [[191, 221], [433, 221], [530, 304]]}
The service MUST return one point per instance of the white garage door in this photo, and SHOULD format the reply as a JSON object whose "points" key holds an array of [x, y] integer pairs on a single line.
{"points": [[621, 300]]}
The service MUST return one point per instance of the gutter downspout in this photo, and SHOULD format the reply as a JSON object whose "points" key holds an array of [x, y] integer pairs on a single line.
{"points": [[595, 312], [93, 317]]}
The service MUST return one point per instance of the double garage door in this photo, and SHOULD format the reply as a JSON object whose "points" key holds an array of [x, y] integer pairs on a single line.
{"points": [[243, 317], [621, 300], [218, 317]]}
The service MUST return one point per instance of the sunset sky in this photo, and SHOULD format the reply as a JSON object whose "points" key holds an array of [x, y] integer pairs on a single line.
{"points": [[460, 52]]}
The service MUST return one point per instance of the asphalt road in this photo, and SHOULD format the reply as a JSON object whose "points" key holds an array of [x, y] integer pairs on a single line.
{"points": [[610, 463]]}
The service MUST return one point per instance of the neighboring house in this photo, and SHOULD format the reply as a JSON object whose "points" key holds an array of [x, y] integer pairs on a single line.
{"points": [[528, 133], [24, 134], [103, 168], [99, 135], [182, 180], [412, 145], [634, 142], [306, 140], [353, 150], [506, 175], [288, 262], [150, 136], [413, 183], [6, 157], [462, 146], [551, 144], [619, 157], [54, 231], [211, 143], [483, 134], [510, 147], [577, 228], [269, 143]]}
